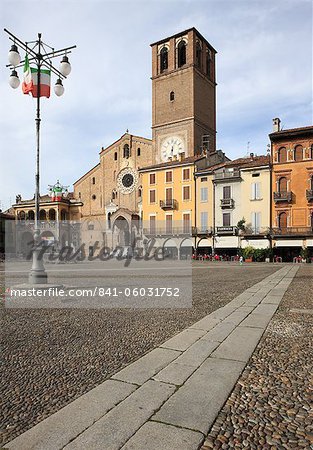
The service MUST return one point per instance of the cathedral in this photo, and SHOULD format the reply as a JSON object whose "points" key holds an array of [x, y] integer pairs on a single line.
{"points": [[183, 125]]}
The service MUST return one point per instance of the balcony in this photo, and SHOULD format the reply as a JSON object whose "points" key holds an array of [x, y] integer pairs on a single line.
{"points": [[255, 231], [293, 231], [168, 204], [168, 231], [227, 203], [201, 231], [226, 175], [309, 195], [283, 197]]}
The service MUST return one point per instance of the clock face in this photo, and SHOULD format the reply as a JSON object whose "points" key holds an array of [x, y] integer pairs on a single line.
{"points": [[127, 180], [172, 146]]}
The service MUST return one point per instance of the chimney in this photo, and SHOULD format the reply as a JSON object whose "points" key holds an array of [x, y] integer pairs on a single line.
{"points": [[276, 125]]}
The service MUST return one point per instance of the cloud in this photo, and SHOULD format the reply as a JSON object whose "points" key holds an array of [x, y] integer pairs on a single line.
{"points": [[264, 70]]}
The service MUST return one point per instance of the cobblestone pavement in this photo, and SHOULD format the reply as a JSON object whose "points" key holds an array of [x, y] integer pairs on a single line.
{"points": [[271, 405], [52, 356]]}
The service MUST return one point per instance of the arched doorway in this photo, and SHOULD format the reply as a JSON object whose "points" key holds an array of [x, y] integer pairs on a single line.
{"points": [[186, 249], [47, 238], [121, 229], [170, 249]]}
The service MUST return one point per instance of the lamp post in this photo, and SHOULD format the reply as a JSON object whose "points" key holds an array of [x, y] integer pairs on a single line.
{"points": [[39, 54]]}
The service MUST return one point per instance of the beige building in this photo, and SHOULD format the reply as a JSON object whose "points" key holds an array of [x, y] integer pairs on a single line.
{"points": [[233, 205]]}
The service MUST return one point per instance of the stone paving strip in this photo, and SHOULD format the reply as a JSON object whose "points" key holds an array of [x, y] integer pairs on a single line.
{"points": [[170, 397]]}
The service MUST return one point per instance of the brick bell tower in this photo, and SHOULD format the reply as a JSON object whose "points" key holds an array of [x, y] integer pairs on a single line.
{"points": [[183, 96]]}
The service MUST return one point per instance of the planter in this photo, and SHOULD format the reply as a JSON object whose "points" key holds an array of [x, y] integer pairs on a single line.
{"points": [[248, 260]]}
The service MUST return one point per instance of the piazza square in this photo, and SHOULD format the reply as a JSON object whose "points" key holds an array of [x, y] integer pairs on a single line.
{"points": [[156, 235]]}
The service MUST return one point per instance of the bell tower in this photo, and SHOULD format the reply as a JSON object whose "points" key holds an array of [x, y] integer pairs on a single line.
{"points": [[183, 96]]}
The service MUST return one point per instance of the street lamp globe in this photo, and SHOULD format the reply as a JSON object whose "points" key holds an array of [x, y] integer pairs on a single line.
{"points": [[14, 56], [58, 88], [65, 67], [14, 80]]}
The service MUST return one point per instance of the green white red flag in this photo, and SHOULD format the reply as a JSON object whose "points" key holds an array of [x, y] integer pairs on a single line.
{"points": [[27, 84], [30, 84]]}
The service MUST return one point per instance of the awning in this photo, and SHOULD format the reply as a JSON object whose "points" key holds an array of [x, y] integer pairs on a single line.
{"points": [[289, 243], [309, 242], [256, 243], [204, 243], [226, 242]]}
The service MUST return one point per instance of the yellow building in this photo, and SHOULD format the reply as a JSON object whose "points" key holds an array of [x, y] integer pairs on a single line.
{"points": [[168, 196]]}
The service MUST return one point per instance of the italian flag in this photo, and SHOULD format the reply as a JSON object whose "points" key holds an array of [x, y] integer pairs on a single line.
{"points": [[30, 84]]}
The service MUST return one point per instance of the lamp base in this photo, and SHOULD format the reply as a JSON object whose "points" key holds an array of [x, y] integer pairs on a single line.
{"points": [[38, 277]]}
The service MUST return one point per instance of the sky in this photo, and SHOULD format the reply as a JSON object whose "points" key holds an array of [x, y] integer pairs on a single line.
{"points": [[264, 70]]}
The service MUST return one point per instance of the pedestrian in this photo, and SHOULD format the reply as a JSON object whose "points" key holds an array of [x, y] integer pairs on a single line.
{"points": [[241, 260]]}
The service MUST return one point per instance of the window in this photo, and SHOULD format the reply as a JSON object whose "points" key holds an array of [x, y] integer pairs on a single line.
{"points": [[226, 220], [256, 222], [152, 224], [93, 180], [172, 96], [255, 174], [152, 196], [52, 214], [169, 223], [115, 156], [31, 215], [140, 192], [163, 59], [255, 191], [208, 62], [186, 174], [282, 155], [181, 54], [168, 177], [138, 151], [204, 194], [298, 153], [282, 184], [204, 220], [126, 151], [186, 193], [93, 197], [79, 195], [186, 223], [114, 194], [226, 192], [169, 195], [152, 178], [282, 220], [204, 179], [198, 55]]}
